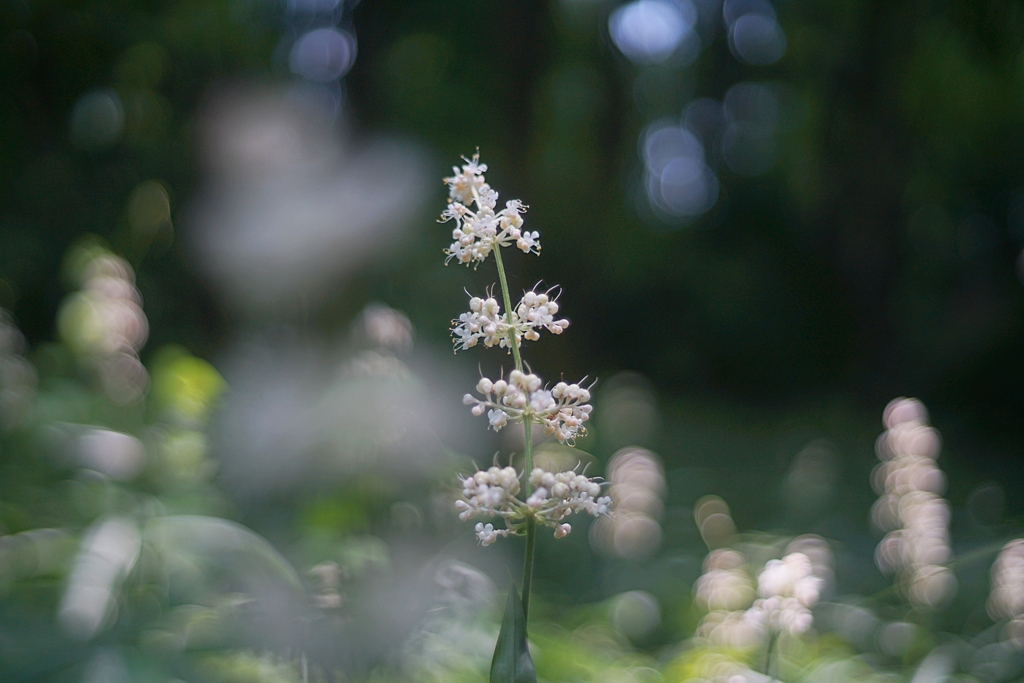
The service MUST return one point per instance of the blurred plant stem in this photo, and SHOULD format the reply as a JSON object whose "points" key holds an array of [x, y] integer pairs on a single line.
{"points": [[531, 524], [769, 647], [531, 527]]}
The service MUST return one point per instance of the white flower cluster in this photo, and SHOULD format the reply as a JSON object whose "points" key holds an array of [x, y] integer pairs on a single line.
{"points": [[910, 507], [104, 322], [485, 322], [478, 233], [562, 409], [493, 492], [788, 588], [786, 591], [1006, 601], [17, 376]]}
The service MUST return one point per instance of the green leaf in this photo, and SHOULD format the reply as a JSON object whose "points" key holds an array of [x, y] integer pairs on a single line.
{"points": [[512, 663]]}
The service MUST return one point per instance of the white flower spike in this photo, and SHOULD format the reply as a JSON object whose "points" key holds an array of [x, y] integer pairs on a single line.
{"points": [[478, 233], [544, 497]]}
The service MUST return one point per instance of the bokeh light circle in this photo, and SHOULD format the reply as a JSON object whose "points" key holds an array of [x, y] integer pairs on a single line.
{"points": [[757, 40], [323, 55], [650, 31]]}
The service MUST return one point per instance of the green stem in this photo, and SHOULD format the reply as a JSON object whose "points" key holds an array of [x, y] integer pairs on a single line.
{"points": [[508, 309], [531, 542], [531, 523], [768, 651]]}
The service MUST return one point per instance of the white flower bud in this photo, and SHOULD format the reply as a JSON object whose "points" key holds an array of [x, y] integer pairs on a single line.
{"points": [[497, 418], [537, 498]]}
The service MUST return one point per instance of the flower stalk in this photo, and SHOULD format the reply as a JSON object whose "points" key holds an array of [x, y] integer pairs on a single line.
{"points": [[533, 497], [531, 523]]}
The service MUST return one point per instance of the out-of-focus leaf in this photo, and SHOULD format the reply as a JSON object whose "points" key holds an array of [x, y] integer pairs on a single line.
{"points": [[512, 663], [217, 542], [184, 383]]}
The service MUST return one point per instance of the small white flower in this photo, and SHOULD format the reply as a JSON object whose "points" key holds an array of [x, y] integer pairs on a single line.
{"points": [[528, 242], [494, 492], [478, 233], [487, 534], [497, 418]]}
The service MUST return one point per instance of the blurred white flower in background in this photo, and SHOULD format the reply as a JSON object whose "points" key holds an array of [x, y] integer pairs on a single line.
{"points": [[786, 591], [637, 489], [302, 414], [1006, 601], [457, 634], [103, 322], [289, 206], [107, 554], [725, 583], [910, 507], [788, 588]]}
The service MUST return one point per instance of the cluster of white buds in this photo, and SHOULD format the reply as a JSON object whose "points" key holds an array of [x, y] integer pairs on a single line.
{"points": [[485, 322], [17, 376], [537, 310], [788, 589], [478, 233], [910, 507], [562, 409], [493, 492], [104, 322], [1006, 601]]}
